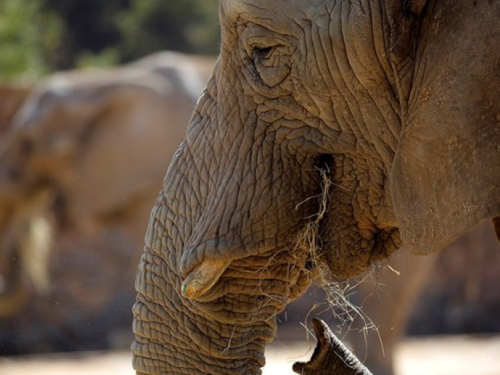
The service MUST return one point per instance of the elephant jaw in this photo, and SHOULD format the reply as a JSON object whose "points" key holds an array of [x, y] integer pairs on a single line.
{"points": [[199, 281]]}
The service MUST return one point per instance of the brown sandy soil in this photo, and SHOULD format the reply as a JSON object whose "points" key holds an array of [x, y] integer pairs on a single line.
{"points": [[458, 355]]}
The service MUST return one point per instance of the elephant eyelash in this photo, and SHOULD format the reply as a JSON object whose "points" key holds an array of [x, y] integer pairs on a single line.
{"points": [[262, 52]]}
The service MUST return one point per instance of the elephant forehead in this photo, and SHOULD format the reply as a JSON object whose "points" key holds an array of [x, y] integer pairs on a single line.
{"points": [[269, 4], [271, 9]]}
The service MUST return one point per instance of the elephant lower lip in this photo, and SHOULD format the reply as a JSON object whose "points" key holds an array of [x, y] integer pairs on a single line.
{"points": [[199, 281]]}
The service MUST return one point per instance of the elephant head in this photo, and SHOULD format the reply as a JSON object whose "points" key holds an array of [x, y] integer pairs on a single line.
{"points": [[359, 126]]}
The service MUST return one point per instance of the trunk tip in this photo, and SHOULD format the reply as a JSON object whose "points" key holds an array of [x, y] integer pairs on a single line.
{"points": [[330, 356]]}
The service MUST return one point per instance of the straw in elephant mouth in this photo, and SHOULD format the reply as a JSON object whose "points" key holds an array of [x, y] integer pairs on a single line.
{"points": [[274, 278], [300, 254], [337, 292]]}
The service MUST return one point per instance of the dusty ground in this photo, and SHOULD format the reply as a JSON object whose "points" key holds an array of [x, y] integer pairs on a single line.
{"points": [[431, 356]]}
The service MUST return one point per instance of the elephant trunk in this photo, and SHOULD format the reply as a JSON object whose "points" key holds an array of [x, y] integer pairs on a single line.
{"points": [[220, 331], [220, 327], [330, 356], [173, 335], [213, 277]]}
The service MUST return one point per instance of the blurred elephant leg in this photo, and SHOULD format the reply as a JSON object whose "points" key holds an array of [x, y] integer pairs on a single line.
{"points": [[388, 302], [13, 294], [24, 264], [496, 226], [35, 244]]}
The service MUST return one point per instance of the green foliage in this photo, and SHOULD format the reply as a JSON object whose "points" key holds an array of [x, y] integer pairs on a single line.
{"points": [[41, 36], [107, 57], [153, 25], [27, 37], [90, 35]]}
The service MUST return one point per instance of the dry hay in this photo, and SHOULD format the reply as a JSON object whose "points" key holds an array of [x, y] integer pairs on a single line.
{"points": [[338, 294]]}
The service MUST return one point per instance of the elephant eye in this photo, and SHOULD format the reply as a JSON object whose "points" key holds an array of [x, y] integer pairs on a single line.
{"points": [[268, 60], [262, 53]]}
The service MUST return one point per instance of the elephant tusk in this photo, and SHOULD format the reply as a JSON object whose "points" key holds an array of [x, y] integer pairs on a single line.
{"points": [[203, 278]]}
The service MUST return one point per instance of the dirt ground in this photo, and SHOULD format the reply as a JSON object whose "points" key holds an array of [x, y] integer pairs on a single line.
{"points": [[457, 355]]}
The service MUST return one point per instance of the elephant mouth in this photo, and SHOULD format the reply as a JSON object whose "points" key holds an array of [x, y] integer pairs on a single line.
{"points": [[199, 281], [289, 267], [257, 287]]}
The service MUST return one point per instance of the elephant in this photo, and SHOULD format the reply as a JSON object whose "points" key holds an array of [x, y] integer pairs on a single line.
{"points": [[11, 295], [49, 242], [331, 134], [191, 71], [81, 164], [11, 99]]}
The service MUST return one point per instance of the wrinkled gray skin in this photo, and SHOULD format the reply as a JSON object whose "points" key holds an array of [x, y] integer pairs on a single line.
{"points": [[398, 99]]}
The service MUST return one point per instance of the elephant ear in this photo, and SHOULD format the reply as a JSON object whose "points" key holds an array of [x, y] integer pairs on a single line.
{"points": [[443, 188], [446, 174]]}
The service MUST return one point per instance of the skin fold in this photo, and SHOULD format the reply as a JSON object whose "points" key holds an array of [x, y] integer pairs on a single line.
{"points": [[332, 133]]}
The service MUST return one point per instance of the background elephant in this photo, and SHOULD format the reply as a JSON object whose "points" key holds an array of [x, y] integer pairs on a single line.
{"points": [[11, 294], [11, 99], [81, 165], [331, 134]]}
